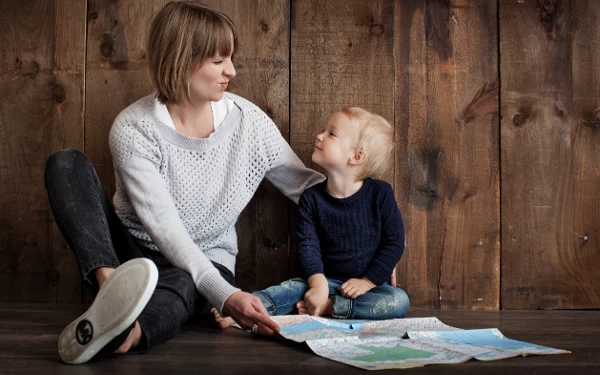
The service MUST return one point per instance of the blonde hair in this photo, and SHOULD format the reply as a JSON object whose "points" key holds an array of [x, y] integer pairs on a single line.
{"points": [[376, 138], [182, 36]]}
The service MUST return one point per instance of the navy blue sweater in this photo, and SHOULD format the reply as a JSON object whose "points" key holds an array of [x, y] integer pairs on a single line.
{"points": [[354, 237]]}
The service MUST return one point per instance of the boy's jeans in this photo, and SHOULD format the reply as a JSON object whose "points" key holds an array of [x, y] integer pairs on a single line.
{"points": [[381, 302]]}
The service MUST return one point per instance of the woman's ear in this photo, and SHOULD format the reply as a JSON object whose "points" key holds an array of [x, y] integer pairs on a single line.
{"points": [[358, 158]]}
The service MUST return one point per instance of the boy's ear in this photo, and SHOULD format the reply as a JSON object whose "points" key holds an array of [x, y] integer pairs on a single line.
{"points": [[358, 158]]}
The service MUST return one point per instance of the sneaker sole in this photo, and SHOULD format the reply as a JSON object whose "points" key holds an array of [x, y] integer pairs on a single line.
{"points": [[119, 302]]}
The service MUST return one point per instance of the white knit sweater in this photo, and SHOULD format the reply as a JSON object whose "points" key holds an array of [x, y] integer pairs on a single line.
{"points": [[182, 196]]}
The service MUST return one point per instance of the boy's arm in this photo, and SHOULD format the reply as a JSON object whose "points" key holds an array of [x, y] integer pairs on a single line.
{"points": [[392, 241], [309, 247], [309, 258]]}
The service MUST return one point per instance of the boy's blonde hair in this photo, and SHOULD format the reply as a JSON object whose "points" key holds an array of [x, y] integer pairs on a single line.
{"points": [[182, 36], [376, 138]]}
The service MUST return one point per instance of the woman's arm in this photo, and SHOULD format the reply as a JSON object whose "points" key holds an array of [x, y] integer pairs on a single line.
{"points": [[290, 175], [286, 171], [156, 211]]}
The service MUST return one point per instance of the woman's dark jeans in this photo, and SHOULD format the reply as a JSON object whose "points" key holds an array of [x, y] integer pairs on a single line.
{"points": [[97, 237]]}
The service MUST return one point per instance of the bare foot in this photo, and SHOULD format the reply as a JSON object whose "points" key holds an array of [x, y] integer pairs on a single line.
{"points": [[327, 311], [102, 273], [135, 335], [222, 322], [302, 310]]}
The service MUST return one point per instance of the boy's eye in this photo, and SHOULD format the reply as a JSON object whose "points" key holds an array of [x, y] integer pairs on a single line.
{"points": [[332, 134]]}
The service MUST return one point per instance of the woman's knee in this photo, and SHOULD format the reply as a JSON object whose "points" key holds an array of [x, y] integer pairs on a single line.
{"points": [[65, 161]]}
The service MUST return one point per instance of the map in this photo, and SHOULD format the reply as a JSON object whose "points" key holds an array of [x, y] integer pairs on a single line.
{"points": [[301, 328], [401, 343]]}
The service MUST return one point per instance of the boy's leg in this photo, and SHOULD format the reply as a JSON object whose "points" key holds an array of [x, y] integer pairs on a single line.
{"points": [[381, 302], [281, 299]]}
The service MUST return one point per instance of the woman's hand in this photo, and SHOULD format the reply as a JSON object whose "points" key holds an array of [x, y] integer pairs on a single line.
{"points": [[247, 310], [356, 287]]}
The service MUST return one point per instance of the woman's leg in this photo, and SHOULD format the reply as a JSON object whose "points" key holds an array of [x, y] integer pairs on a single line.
{"points": [[85, 217], [99, 240], [171, 305], [381, 302]]}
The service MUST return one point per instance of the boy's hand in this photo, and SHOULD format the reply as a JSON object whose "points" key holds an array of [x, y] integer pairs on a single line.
{"points": [[315, 300], [356, 287]]}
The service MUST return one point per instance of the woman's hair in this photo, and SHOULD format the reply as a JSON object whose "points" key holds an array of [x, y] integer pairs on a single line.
{"points": [[182, 36], [376, 138]]}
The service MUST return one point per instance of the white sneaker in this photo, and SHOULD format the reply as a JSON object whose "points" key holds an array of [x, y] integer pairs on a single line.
{"points": [[119, 302]]}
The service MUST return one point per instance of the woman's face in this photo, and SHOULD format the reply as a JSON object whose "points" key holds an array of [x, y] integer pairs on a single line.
{"points": [[209, 81]]}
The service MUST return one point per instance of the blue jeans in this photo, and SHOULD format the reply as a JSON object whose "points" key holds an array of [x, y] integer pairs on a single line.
{"points": [[97, 237], [381, 302]]}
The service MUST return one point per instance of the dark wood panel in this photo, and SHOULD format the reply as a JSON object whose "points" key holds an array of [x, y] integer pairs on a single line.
{"points": [[42, 60], [447, 176], [117, 76], [550, 155], [29, 335], [342, 55]]}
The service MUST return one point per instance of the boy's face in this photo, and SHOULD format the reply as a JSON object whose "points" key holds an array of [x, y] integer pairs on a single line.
{"points": [[336, 144]]}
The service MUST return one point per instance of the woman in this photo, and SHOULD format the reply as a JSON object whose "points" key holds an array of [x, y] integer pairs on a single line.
{"points": [[187, 160]]}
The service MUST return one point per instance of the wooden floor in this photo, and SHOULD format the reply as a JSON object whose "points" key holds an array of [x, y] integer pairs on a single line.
{"points": [[29, 333]]}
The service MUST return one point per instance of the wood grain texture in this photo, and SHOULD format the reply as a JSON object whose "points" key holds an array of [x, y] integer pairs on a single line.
{"points": [[29, 332], [550, 154], [447, 177], [42, 62], [118, 76], [341, 55]]}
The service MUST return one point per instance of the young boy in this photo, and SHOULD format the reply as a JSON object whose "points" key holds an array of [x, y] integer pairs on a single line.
{"points": [[350, 231]]}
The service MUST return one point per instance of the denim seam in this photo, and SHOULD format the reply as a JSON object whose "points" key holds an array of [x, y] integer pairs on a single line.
{"points": [[90, 267], [270, 300]]}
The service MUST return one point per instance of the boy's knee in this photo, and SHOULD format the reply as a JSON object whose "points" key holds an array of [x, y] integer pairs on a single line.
{"points": [[403, 302], [394, 304]]}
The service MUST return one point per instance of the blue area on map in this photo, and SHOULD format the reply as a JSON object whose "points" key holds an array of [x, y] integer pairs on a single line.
{"points": [[482, 337], [346, 326]]}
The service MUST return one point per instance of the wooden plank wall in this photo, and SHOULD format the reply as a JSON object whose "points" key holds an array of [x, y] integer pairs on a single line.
{"points": [[42, 89], [495, 109], [550, 154]]}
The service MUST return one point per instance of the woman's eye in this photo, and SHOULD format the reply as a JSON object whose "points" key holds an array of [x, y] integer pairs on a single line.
{"points": [[218, 62]]}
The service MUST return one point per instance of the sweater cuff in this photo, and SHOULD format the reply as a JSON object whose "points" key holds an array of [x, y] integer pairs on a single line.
{"points": [[313, 271], [216, 289], [376, 278]]}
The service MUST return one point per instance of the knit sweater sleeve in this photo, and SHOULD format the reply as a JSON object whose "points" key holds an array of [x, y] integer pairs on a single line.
{"points": [[137, 158], [309, 248], [286, 171], [391, 246]]}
